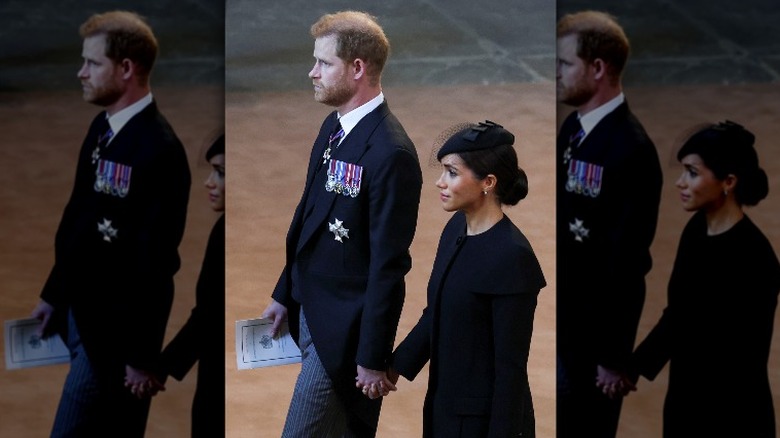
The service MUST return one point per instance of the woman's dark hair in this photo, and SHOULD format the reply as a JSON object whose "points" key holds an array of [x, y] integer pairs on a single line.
{"points": [[501, 161], [216, 148], [727, 148]]}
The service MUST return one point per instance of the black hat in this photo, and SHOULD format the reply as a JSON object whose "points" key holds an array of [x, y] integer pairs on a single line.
{"points": [[484, 135]]}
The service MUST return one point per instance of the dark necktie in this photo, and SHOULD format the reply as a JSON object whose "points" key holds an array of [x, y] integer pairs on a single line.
{"points": [[574, 141], [102, 141], [333, 141]]}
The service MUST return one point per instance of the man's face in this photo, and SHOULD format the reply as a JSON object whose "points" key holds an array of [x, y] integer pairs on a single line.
{"points": [[330, 74], [575, 84], [100, 76]]}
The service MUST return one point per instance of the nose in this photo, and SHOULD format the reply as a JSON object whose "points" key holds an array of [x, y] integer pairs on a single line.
{"points": [[209, 183], [440, 182], [313, 73], [680, 183], [82, 73]]}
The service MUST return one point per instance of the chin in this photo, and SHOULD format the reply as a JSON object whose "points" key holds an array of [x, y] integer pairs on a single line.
{"points": [[448, 209]]}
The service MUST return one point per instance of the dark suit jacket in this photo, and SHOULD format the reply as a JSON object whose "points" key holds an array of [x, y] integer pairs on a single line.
{"points": [[601, 288], [202, 340], [476, 331], [353, 291], [115, 256]]}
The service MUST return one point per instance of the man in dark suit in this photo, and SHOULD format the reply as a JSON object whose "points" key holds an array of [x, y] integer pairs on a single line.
{"points": [[608, 192], [110, 291], [348, 245]]}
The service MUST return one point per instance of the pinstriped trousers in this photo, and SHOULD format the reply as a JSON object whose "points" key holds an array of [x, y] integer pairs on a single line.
{"points": [[90, 407], [315, 408]]}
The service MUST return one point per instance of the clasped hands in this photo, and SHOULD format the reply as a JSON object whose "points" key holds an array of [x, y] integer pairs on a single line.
{"points": [[375, 384], [142, 384], [613, 383]]}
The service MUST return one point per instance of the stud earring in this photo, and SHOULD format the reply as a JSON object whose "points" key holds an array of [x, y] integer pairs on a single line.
{"points": [[484, 192]]}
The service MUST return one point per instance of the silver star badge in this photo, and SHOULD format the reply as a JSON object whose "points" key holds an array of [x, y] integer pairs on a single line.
{"points": [[107, 230], [338, 230], [578, 229]]}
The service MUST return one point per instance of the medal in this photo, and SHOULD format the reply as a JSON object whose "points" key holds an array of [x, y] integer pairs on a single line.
{"points": [[584, 178], [580, 232], [338, 230], [107, 230], [344, 178], [112, 178]]}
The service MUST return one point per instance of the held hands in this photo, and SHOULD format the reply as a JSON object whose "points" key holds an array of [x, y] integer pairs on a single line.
{"points": [[375, 384], [142, 384], [613, 383]]}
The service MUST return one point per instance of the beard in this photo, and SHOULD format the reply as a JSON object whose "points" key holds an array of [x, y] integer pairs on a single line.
{"points": [[575, 95], [335, 95], [103, 95]]}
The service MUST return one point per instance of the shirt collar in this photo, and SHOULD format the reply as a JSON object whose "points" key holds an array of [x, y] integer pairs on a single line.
{"points": [[351, 119], [120, 119], [592, 118]]}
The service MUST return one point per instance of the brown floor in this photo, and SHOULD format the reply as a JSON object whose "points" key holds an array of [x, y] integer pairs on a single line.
{"points": [[42, 133]]}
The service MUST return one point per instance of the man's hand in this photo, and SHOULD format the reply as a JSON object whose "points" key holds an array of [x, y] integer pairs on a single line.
{"points": [[613, 384], [278, 313], [373, 383], [142, 383], [43, 312]]}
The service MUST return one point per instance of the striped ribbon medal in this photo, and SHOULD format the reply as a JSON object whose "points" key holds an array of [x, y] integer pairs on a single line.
{"points": [[584, 178], [112, 178], [344, 178]]}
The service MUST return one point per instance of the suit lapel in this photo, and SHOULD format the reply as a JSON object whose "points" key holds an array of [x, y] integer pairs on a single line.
{"points": [[594, 143], [351, 150]]}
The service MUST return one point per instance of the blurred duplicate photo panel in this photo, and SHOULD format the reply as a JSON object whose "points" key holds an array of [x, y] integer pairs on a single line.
{"points": [[113, 231], [390, 248], [666, 198]]}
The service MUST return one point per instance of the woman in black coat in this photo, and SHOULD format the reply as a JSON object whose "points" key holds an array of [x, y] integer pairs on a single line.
{"points": [[716, 329], [476, 329], [202, 339]]}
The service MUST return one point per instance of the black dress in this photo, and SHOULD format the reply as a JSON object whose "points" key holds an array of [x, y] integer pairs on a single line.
{"points": [[716, 332], [202, 340], [476, 332]]}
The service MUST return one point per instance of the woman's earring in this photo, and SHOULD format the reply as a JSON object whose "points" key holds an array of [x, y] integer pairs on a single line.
{"points": [[726, 192], [484, 192]]}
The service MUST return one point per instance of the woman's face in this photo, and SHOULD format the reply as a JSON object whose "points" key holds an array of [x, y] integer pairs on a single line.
{"points": [[699, 188], [215, 183], [460, 189]]}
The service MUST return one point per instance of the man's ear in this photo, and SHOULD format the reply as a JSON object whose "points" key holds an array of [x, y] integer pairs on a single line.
{"points": [[358, 68], [127, 67], [599, 68]]}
